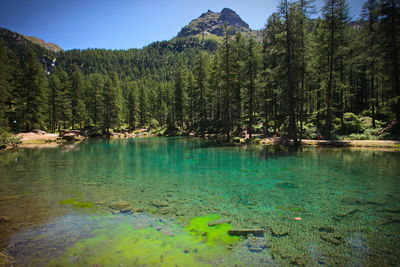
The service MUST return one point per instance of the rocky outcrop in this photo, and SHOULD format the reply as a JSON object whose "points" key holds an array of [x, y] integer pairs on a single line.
{"points": [[71, 135]]}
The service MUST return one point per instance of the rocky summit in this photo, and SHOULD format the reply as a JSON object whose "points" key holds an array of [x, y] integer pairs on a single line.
{"points": [[214, 23]]}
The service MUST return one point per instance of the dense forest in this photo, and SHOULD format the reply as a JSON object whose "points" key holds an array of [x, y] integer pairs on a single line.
{"points": [[333, 76]]}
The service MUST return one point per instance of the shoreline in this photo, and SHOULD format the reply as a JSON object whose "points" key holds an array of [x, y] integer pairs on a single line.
{"points": [[47, 140]]}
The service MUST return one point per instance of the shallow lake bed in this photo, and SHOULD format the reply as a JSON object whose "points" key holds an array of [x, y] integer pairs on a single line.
{"points": [[347, 201]]}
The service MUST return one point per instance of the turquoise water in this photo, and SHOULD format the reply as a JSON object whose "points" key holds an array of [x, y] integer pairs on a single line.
{"points": [[348, 201]]}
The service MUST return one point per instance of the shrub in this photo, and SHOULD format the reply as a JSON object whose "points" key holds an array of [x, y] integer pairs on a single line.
{"points": [[352, 124], [7, 139], [310, 132], [154, 124], [255, 141]]}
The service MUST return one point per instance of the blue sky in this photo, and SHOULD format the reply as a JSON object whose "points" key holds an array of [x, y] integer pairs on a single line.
{"points": [[123, 24]]}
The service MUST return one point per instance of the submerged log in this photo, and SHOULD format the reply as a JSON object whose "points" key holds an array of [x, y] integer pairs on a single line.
{"points": [[246, 232]]}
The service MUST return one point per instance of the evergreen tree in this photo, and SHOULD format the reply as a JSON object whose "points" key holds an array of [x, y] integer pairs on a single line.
{"points": [[31, 104], [179, 96], [95, 103], [112, 103], [132, 105], [226, 84], [200, 92], [390, 45], [78, 112], [59, 100], [5, 78], [251, 80], [331, 44]]}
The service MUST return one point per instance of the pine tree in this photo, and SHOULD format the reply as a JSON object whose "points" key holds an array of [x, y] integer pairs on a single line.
{"points": [[179, 97], [335, 17], [201, 90], [5, 77], [226, 84], [251, 80], [59, 100], [238, 70], [95, 103], [77, 97], [112, 103], [31, 104], [390, 32], [132, 105]]}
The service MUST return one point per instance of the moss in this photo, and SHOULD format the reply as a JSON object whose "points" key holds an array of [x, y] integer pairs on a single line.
{"points": [[123, 245], [77, 204], [216, 234]]}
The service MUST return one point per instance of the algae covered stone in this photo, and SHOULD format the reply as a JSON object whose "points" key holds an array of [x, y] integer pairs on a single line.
{"points": [[77, 204], [125, 245], [216, 234]]}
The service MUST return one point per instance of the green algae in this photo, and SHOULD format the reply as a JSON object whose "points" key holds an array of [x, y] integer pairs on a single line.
{"points": [[123, 245], [216, 234], [77, 204]]}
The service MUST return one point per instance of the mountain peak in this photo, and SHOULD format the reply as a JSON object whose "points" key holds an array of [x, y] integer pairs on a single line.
{"points": [[232, 18], [214, 23]]}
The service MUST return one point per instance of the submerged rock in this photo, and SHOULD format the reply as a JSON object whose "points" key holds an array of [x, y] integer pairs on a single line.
{"points": [[280, 230], [334, 240], [246, 232], [160, 203], [326, 229], [4, 219], [166, 210], [347, 212], [121, 206], [286, 185], [257, 244]]}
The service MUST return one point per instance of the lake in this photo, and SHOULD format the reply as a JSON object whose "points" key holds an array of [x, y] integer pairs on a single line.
{"points": [[171, 201]]}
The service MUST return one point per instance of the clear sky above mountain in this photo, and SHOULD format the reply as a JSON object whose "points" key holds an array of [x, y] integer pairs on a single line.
{"points": [[123, 24]]}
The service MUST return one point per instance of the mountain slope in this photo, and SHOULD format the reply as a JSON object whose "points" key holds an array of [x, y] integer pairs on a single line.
{"points": [[42, 43], [17, 38]]}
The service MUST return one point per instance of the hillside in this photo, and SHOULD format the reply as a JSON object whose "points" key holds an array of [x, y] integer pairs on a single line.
{"points": [[42, 43]]}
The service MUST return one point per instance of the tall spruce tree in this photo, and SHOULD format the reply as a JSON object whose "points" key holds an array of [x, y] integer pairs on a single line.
{"points": [[77, 97], [31, 103]]}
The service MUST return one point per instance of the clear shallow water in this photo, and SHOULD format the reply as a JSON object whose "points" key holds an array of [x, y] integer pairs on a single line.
{"points": [[348, 200]]}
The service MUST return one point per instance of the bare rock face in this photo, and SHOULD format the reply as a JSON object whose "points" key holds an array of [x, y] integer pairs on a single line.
{"points": [[230, 17], [214, 23]]}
